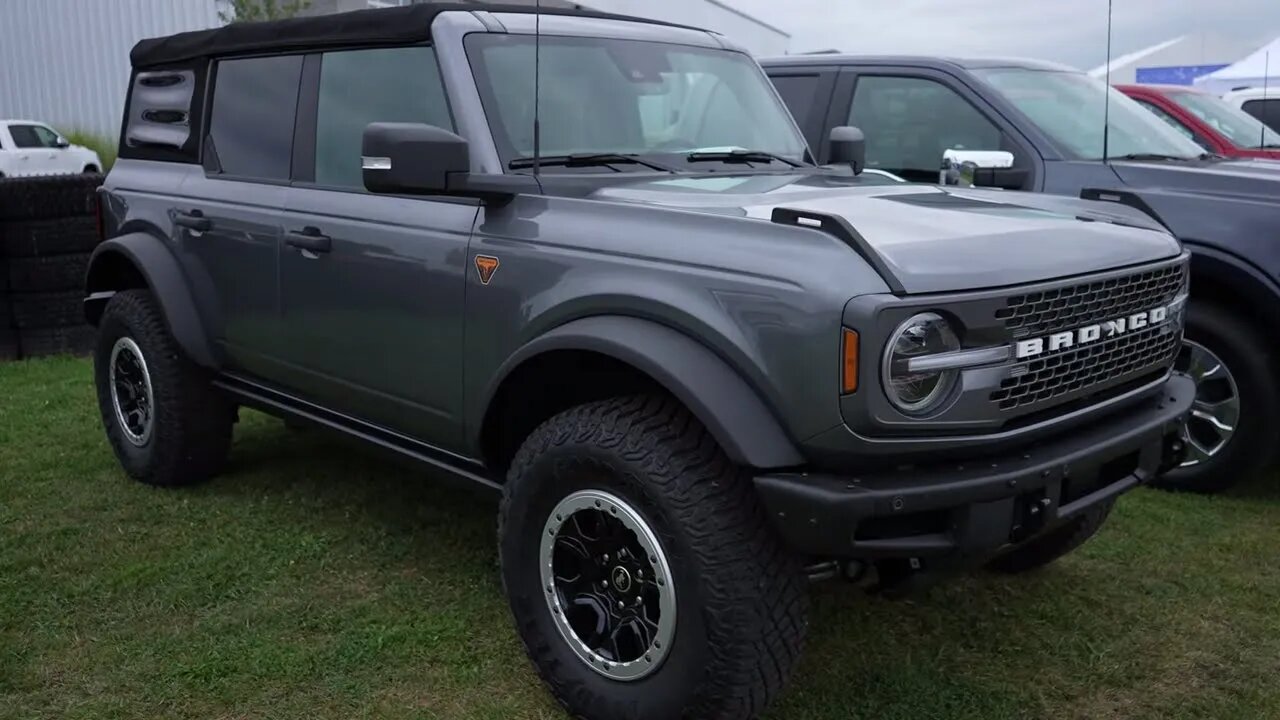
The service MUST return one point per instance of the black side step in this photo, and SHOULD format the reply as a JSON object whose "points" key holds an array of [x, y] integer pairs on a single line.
{"points": [[841, 229], [468, 473]]}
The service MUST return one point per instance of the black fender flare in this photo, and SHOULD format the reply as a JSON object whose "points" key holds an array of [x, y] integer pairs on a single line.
{"points": [[1249, 283], [731, 410], [164, 277]]}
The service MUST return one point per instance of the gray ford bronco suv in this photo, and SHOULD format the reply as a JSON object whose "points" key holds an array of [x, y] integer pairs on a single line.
{"points": [[586, 262]]}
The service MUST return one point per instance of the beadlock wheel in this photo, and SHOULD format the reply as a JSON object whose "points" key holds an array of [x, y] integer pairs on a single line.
{"points": [[608, 585], [132, 396]]}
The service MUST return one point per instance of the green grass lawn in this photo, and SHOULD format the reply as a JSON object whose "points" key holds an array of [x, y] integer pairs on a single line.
{"points": [[314, 581]]}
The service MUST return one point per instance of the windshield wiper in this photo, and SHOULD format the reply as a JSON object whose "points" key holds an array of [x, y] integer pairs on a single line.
{"points": [[1269, 146], [740, 156], [1148, 156], [588, 160]]}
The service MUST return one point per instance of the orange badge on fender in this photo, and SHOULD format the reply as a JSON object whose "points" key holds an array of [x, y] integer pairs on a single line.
{"points": [[486, 266]]}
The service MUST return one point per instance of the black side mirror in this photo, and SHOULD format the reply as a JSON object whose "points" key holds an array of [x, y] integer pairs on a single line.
{"points": [[849, 146], [412, 158]]}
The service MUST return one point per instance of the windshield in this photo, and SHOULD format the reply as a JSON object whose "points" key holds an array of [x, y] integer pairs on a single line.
{"points": [[1069, 107], [627, 97], [1236, 125]]}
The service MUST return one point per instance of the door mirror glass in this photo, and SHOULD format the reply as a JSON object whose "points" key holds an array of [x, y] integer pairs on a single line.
{"points": [[849, 146], [412, 158], [971, 168], [61, 142]]}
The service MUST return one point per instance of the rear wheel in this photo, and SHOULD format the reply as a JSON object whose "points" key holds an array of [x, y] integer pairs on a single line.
{"points": [[1235, 410], [643, 576], [1044, 549], [91, 170], [165, 422]]}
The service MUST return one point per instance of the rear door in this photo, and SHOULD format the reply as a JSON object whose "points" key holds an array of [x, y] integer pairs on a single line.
{"points": [[227, 218], [372, 285]]}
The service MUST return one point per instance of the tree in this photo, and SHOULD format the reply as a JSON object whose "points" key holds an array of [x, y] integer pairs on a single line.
{"points": [[254, 10]]}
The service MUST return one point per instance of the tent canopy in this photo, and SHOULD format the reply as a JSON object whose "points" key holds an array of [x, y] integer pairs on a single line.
{"points": [[1252, 71]]}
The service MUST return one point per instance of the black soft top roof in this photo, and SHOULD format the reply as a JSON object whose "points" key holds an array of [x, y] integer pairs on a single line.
{"points": [[389, 26]]}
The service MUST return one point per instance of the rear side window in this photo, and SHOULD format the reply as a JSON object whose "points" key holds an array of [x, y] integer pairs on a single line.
{"points": [[364, 86], [1268, 111], [255, 101], [24, 136]]}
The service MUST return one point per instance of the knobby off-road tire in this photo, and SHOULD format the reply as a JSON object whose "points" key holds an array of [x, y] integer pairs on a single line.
{"points": [[740, 599], [189, 433], [1229, 358], [1040, 551]]}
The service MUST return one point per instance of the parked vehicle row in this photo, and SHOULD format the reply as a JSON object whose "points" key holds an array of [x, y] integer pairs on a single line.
{"points": [[704, 351], [1045, 122]]}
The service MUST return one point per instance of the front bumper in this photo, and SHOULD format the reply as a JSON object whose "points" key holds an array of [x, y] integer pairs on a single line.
{"points": [[971, 509]]}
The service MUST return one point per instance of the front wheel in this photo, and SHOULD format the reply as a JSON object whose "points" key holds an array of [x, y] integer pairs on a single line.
{"points": [[643, 576], [1235, 408]]}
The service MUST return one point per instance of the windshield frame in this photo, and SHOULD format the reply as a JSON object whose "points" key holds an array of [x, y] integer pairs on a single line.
{"points": [[1263, 136], [474, 44], [1175, 144]]}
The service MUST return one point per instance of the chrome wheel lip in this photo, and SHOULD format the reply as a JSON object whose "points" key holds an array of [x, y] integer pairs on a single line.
{"points": [[657, 652], [1221, 417], [138, 434]]}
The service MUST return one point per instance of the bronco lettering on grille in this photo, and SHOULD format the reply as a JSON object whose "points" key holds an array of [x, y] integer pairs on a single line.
{"points": [[1107, 329]]}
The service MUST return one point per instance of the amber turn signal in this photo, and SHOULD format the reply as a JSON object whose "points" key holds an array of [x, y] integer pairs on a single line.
{"points": [[849, 362]]}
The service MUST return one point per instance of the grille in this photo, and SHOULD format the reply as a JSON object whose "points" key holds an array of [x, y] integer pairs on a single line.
{"points": [[1041, 313], [1067, 371]]}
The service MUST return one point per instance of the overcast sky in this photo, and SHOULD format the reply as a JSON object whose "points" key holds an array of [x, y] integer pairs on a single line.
{"points": [[1069, 31]]}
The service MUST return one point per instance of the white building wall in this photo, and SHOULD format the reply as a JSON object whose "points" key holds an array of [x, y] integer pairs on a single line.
{"points": [[66, 62]]}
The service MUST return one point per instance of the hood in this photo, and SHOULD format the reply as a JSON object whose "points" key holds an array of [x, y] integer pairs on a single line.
{"points": [[1236, 177], [932, 239]]}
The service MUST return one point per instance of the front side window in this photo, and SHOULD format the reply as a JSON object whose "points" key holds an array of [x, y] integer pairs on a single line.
{"points": [[601, 95], [255, 101], [25, 136], [911, 122], [45, 136], [1070, 107], [1236, 125], [364, 86], [1172, 121]]}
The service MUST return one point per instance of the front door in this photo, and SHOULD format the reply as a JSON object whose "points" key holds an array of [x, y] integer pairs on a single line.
{"points": [[372, 286]]}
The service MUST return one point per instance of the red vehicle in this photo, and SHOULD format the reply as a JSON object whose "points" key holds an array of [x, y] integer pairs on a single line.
{"points": [[1211, 123]]}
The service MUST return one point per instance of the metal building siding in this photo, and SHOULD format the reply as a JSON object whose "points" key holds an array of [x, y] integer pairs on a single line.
{"points": [[66, 62]]}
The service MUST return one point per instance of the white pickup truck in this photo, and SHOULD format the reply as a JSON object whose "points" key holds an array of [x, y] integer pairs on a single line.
{"points": [[32, 148]]}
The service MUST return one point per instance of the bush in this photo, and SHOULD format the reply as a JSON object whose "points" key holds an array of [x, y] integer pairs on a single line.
{"points": [[104, 146]]}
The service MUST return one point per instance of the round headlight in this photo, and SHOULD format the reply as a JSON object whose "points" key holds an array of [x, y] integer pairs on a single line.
{"points": [[920, 392]]}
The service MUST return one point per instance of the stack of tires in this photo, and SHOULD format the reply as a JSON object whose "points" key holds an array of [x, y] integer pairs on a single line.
{"points": [[48, 227]]}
